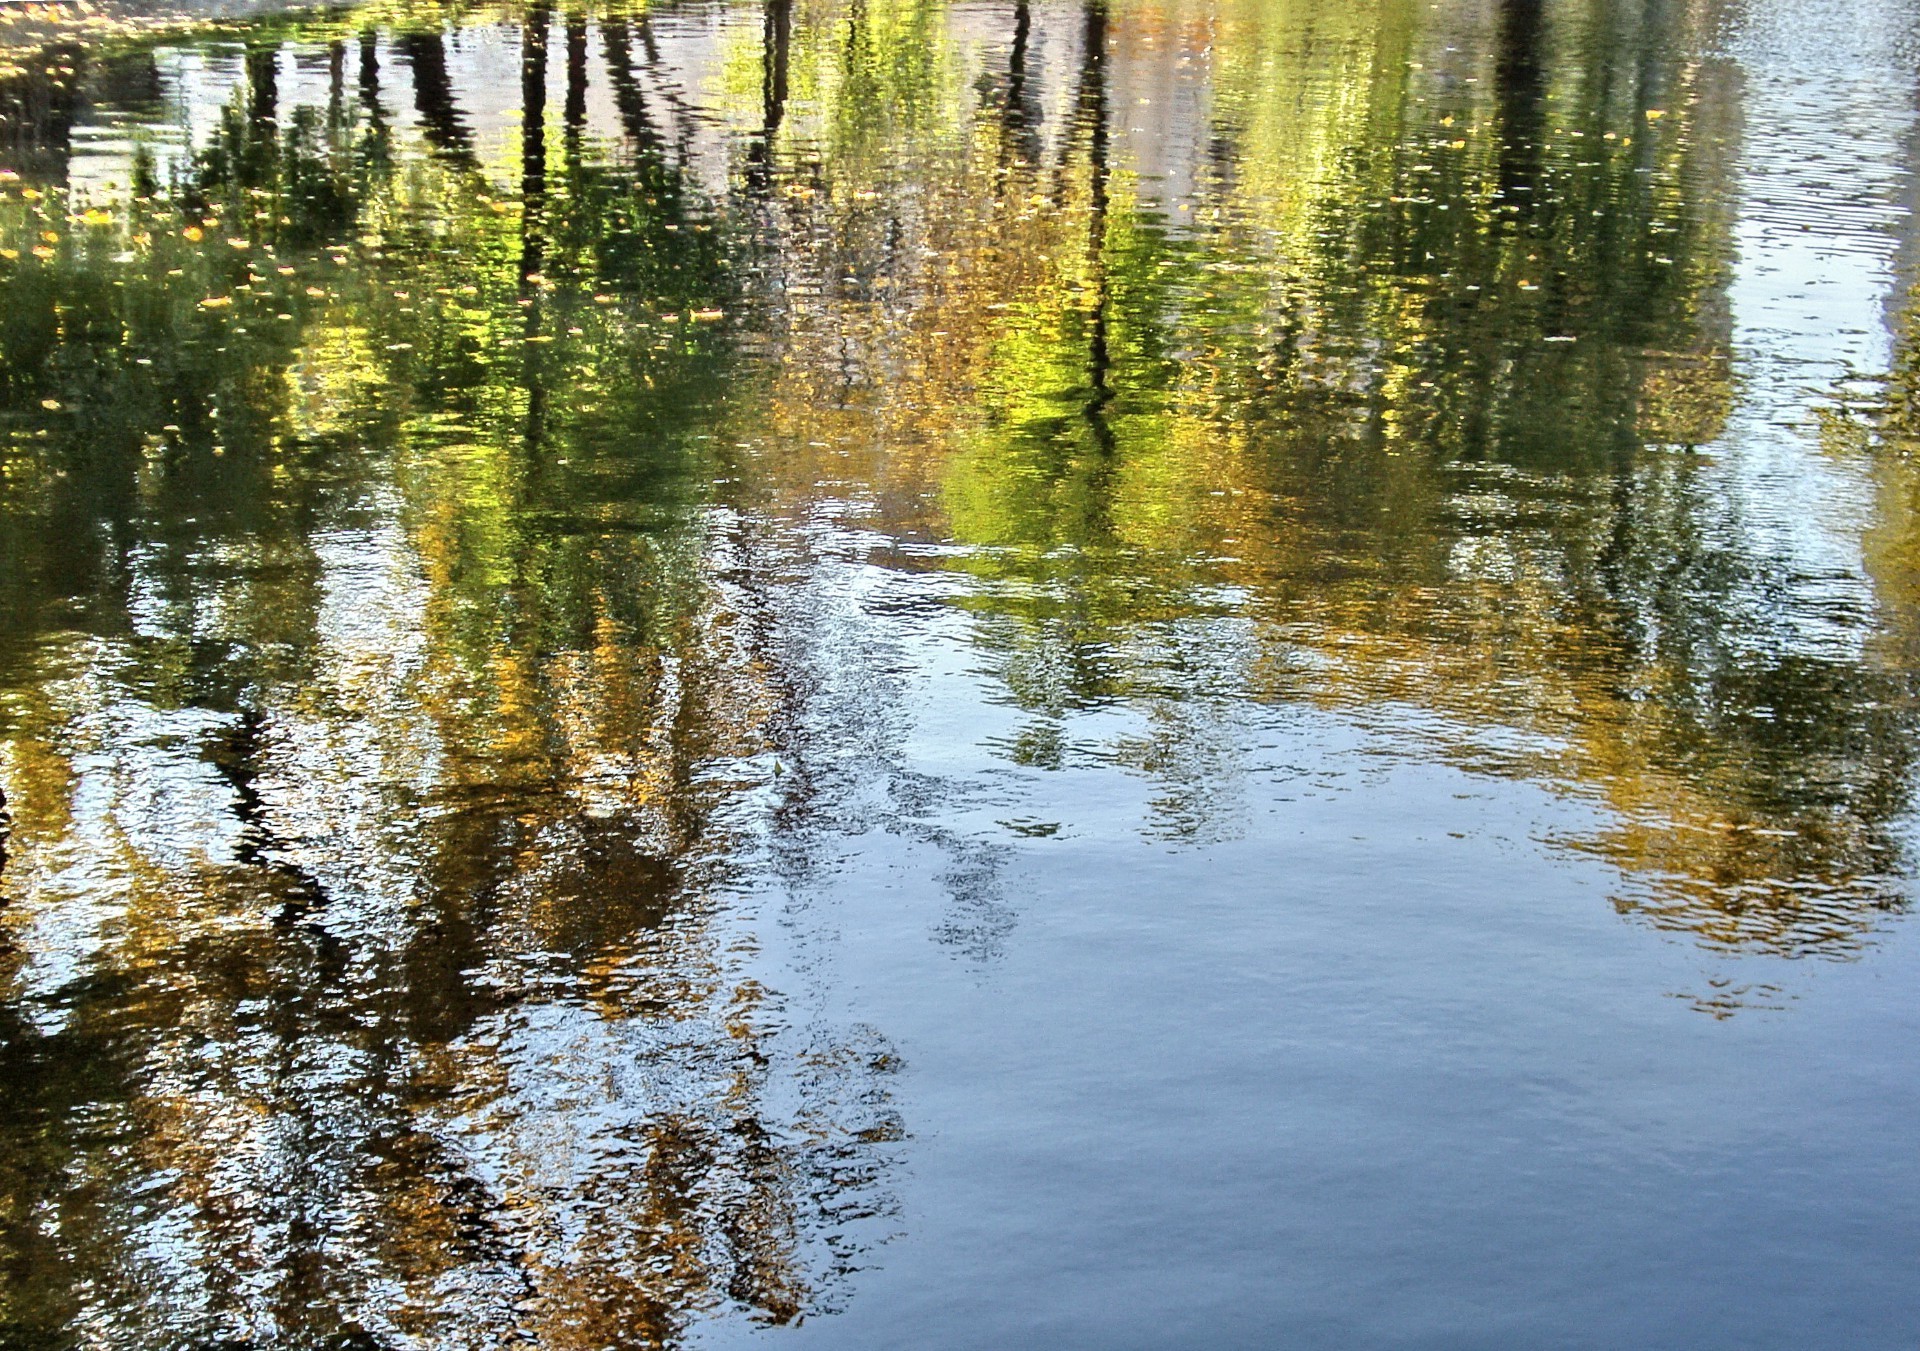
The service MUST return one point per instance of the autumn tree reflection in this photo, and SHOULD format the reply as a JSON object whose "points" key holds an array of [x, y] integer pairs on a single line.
{"points": [[435, 700], [401, 484], [1422, 375]]}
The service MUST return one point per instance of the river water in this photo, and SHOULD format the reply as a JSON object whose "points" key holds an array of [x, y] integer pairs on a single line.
{"points": [[876, 673]]}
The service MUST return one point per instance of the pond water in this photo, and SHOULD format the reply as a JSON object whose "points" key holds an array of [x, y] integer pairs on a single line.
{"points": [[874, 673]]}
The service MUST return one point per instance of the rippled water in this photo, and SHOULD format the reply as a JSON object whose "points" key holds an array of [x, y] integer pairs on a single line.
{"points": [[874, 673]]}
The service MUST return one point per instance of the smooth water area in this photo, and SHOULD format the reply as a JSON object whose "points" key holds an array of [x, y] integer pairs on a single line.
{"points": [[876, 673]]}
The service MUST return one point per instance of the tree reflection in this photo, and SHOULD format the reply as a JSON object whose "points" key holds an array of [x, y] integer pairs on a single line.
{"points": [[1443, 442], [433, 99], [407, 609], [388, 663]]}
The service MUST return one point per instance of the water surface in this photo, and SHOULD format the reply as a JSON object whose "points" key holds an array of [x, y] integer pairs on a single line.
{"points": [[884, 672]]}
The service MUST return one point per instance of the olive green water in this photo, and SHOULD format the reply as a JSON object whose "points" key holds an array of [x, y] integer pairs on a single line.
{"points": [[892, 673]]}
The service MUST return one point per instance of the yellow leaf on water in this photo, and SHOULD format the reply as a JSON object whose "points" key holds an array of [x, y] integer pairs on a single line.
{"points": [[216, 302], [708, 316], [51, 405], [193, 234]]}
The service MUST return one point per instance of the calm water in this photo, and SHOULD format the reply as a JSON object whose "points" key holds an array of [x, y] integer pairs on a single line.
{"points": [[879, 673]]}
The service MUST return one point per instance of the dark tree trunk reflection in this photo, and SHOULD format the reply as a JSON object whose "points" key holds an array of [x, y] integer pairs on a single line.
{"points": [[775, 43], [1093, 116], [433, 98], [1522, 94]]}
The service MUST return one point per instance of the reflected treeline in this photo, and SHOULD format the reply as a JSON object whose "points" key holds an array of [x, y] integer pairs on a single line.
{"points": [[389, 678], [1422, 377], [377, 737]]}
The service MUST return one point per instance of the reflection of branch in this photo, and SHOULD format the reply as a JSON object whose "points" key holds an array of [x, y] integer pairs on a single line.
{"points": [[1520, 81], [370, 75], [1093, 114], [336, 84], [533, 199], [574, 115], [426, 55], [777, 35], [669, 88], [263, 84], [1020, 116], [375, 145], [533, 136], [856, 22], [237, 756], [626, 90]]}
